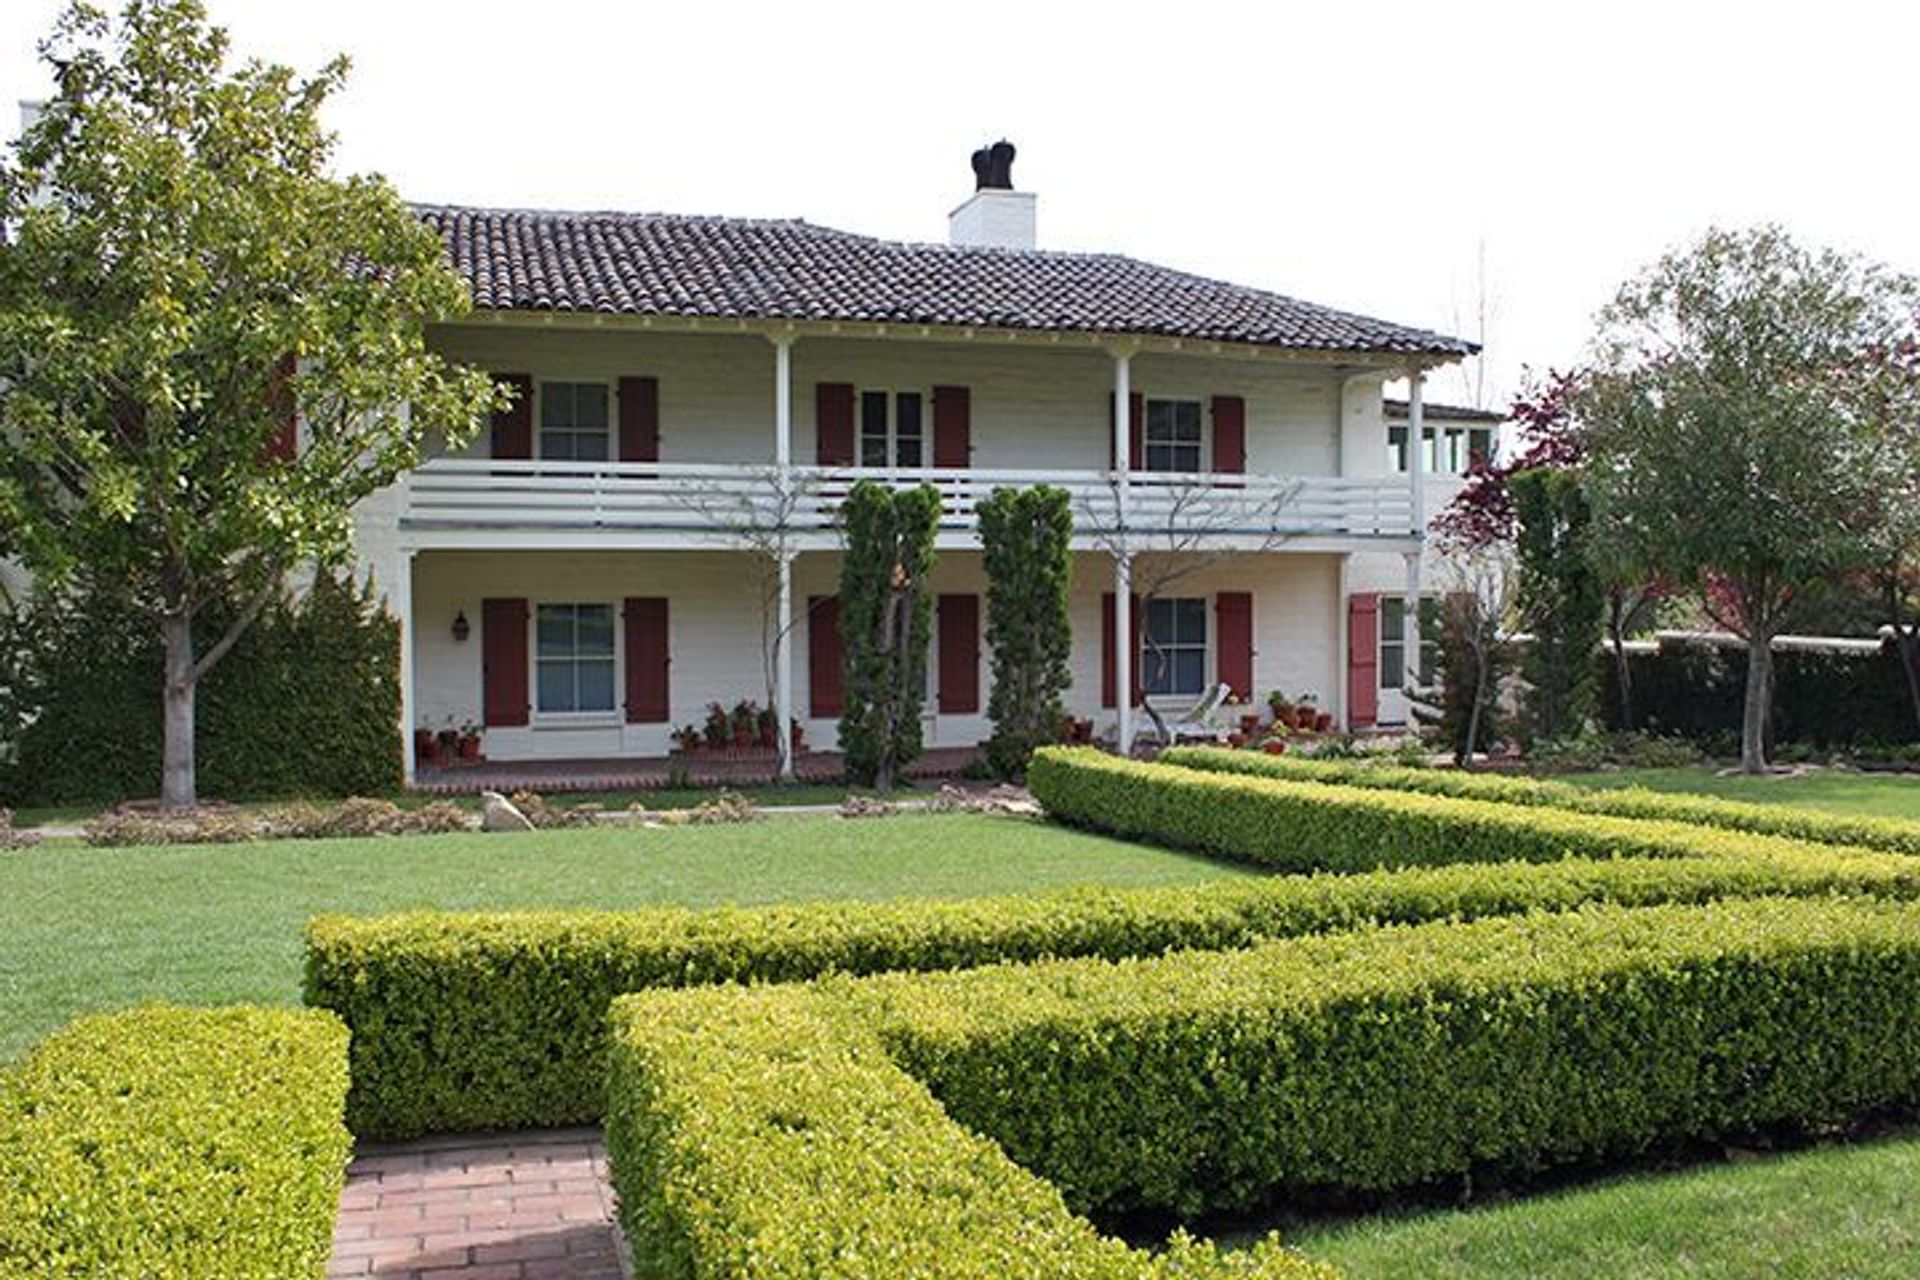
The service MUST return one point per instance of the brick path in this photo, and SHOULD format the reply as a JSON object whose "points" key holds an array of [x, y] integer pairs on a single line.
{"points": [[519, 1206]]}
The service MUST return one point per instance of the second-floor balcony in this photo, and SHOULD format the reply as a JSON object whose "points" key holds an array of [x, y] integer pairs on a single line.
{"points": [[448, 501]]}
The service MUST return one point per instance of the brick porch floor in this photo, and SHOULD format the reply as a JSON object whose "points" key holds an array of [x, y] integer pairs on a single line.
{"points": [[647, 774], [518, 1206]]}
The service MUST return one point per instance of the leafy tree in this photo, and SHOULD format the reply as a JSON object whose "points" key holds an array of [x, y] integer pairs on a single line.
{"points": [[884, 612], [1025, 537], [1731, 429], [176, 242], [1472, 658], [1560, 598]]}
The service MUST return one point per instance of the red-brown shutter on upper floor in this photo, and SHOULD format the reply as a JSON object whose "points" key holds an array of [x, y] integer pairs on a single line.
{"points": [[503, 662], [639, 419], [1233, 643], [1229, 434], [833, 424], [512, 436], [1136, 430], [284, 443], [1363, 659], [959, 655], [645, 619], [1109, 661], [823, 656], [952, 427]]}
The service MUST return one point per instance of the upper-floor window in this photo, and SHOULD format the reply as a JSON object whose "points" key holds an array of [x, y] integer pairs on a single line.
{"points": [[1393, 640], [573, 421], [892, 429], [1449, 451], [1172, 435], [1173, 656], [573, 657]]}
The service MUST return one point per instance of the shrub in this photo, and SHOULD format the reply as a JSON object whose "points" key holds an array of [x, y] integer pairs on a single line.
{"points": [[1893, 835], [472, 1021], [357, 816], [126, 827], [1026, 549], [1387, 1058], [175, 1142], [547, 816], [12, 837], [767, 1135]]}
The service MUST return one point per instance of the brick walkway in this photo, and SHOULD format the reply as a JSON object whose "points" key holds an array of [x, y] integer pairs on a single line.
{"points": [[520, 1206]]}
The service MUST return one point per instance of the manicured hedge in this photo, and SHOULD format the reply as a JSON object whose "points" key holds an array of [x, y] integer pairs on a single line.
{"points": [[1314, 826], [1890, 834], [175, 1142], [765, 1135], [1389, 1058], [468, 1021]]}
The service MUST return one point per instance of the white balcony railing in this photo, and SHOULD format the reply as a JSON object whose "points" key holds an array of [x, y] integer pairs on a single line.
{"points": [[711, 498]]}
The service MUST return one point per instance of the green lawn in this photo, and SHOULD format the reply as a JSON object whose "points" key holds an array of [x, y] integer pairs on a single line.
{"points": [[1849, 1211], [1889, 795], [84, 929]]}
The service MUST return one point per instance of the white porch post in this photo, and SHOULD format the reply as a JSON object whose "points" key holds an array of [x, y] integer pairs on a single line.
{"points": [[1417, 478], [783, 622], [1123, 558], [400, 599]]}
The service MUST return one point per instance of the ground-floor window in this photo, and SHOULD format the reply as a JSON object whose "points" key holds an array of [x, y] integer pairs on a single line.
{"points": [[573, 652], [1393, 640], [1177, 629]]}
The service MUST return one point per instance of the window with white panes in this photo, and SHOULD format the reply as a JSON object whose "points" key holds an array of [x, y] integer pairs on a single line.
{"points": [[892, 429], [1177, 629], [1393, 640], [573, 658], [1171, 435], [574, 425]]}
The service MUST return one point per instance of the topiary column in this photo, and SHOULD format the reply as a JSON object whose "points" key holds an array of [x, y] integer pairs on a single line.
{"points": [[884, 613], [1024, 536]]}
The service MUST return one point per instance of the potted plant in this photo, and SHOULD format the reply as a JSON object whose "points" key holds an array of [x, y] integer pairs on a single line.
{"points": [[767, 724], [423, 752], [746, 723], [1281, 706], [1323, 721], [1275, 745], [447, 743], [799, 732], [687, 739], [719, 729], [469, 743]]}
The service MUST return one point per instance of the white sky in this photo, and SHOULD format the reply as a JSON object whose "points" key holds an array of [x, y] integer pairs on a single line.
{"points": [[1358, 155]]}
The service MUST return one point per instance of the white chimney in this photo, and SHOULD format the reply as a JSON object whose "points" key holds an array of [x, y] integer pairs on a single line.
{"points": [[996, 216], [31, 109]]}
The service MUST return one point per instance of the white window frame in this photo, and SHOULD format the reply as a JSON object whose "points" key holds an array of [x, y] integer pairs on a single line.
{"points": [[595, 716], [1205, 647], [893, 395], [540, 385], [1392, 675], [1199, 444]]}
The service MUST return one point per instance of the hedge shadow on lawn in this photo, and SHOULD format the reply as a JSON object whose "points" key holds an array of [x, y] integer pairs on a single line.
{"points": [[792, 1124]]}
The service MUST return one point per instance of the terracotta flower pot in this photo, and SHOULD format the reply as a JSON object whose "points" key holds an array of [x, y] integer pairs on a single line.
{"points": [[1275, 746], [1323, 722]]}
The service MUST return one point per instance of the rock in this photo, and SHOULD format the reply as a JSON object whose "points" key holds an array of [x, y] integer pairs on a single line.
{"points": [[500, 815]]}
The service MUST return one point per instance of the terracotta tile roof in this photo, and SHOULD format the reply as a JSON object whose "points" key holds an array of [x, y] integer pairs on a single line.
{"points": [[1432, 412], [674, 265]]}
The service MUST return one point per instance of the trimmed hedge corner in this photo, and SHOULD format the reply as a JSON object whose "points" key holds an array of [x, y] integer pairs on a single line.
{"points": [[468, 1021], [164, 1141], [765, 1135], [1316, 826], [1889, 834]]}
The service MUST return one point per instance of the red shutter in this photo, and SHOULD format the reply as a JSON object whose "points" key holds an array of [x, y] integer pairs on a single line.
{"points": [[952, 427], [639, 419], [503, 661], [1229, 434], [513, 426], [1109, 663], [1363, 659], [959, 655], [833, 424], [1136, 429], [1233, 646], [823, 655], [647, 659], [284, 444]]}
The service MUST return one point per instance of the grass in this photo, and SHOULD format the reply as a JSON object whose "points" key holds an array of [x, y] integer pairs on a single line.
{"points": [[84, 929], [1886, 795], [1843, 1211]]}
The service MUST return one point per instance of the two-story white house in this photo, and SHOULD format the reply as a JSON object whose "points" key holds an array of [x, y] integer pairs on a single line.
{"points": [[650, 528]]}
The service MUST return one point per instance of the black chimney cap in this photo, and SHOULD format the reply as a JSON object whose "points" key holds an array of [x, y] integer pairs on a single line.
{"points": [[993, 167]]}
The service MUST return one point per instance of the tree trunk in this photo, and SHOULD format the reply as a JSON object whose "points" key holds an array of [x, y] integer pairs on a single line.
{"points": [[176, 757], [1622, 669], [1759, 704]]}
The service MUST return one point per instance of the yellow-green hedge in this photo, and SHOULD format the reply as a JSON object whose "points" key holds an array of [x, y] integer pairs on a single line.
{"points": [[763, 1134], [1316, 826], [465, 1021], [165, 1141], [1892, 835]]}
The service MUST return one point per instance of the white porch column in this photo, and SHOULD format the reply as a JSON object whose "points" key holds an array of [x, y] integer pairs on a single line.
{"points": [[1123, 558], [782, 400], [400, 600], [783, 668], [1417, 479]]}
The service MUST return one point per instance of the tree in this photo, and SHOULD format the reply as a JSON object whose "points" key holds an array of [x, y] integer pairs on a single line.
{"points": [[1730, 427], [181, 268], [1560, 599], [884, 613], [1025, 537], [1473, 657]]}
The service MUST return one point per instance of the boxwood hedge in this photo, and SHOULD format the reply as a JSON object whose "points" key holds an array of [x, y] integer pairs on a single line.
{"points": [[164, 1141], [763, 1134], [1317, 826], [1890, 834], [465, 1021]]}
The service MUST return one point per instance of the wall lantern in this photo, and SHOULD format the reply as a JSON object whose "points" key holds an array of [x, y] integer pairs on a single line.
{"points": [[461, 629]]}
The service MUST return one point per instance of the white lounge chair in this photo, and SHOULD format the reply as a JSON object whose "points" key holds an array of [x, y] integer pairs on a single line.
{"points": [[1195, 723]]}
